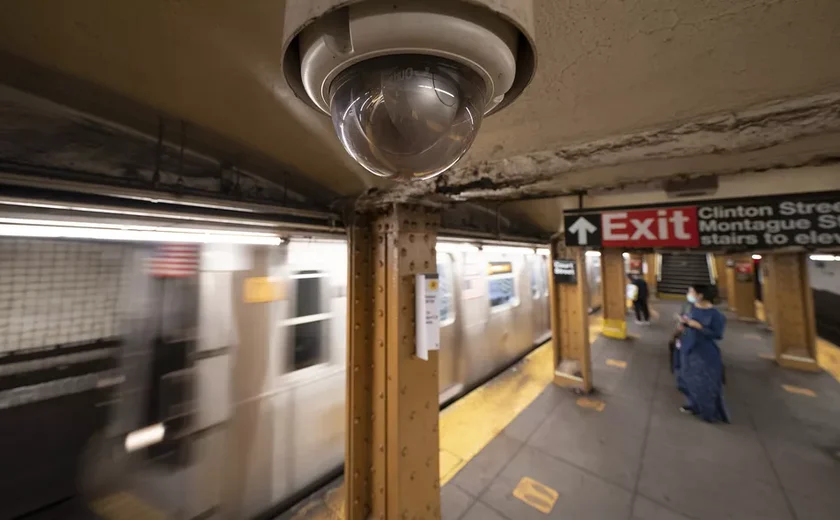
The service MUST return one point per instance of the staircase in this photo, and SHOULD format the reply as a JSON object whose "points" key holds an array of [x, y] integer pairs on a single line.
{"points": [[680, 270]]}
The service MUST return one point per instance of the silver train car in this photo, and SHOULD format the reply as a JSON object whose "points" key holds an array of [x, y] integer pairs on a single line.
{"points": [[233, 409]]}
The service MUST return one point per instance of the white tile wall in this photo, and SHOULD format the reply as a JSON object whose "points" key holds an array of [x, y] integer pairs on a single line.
{"points": [[58, 292]]}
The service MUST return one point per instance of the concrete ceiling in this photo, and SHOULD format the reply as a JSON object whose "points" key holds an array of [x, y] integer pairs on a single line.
{"points": [[626, 91]]}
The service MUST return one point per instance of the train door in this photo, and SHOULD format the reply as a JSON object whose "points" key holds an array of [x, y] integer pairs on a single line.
{"points": [[144, 450], [447, 359], [508, 323], [538, 266]]}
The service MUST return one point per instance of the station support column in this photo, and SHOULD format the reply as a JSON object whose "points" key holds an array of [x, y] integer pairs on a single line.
{"points": [[650, 272], [790, 308], [721, 278], [741, 287], [768, 290], [569, 297], [613, 285], [392, 461]]}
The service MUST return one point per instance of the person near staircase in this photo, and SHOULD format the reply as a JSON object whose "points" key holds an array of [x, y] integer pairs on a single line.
{"points": [[640, 302]]}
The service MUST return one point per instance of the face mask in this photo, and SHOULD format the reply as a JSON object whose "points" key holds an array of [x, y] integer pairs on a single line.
{"points": [[691, 298]]}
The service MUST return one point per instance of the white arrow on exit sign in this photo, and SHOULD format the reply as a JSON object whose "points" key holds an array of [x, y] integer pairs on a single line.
{"points": [[582, 228]]}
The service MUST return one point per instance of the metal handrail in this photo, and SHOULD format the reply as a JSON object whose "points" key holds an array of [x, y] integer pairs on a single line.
{"points": [[658, 267], [711, 266]]}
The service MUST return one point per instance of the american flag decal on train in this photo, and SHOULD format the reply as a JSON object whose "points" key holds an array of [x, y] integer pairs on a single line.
{"points": [[174, 261]]}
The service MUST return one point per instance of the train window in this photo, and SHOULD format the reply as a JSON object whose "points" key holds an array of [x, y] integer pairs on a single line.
{"points": [[447, 306], [309, 324], [501, 283]]}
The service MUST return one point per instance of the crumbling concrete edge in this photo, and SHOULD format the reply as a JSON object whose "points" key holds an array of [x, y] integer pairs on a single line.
{"points": [[545, 173]]}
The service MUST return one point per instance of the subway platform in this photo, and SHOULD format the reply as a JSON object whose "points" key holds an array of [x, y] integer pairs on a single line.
{"points": [[626, 452]]}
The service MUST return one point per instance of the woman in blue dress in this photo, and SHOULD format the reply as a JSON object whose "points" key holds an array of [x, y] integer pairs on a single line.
{"points": [[701, 365]]}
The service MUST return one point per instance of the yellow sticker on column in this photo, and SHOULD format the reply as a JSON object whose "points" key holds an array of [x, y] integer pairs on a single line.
{"points": [[433, 285], [539, 496], [260, 290]]}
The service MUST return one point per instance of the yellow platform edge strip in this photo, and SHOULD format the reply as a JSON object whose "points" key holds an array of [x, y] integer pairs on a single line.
{"points": [[828, 357], [125, 506], [468, 426]]}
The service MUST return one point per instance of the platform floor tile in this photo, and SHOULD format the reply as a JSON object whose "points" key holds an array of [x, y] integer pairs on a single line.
{"points": [[582, 495]]}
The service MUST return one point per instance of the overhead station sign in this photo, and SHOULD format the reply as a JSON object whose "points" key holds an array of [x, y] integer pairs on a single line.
{"points": [[804, 220]]}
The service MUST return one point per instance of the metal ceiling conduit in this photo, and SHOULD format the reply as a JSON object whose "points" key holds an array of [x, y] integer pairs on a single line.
{"points": [[53, 213], [143, 214], [22, 185]]}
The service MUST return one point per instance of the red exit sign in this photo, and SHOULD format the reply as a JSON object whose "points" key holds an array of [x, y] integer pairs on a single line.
{"points": [[660, 227]]}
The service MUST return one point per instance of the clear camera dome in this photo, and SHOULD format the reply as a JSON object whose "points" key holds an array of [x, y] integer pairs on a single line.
{"points": [[407, 117]]}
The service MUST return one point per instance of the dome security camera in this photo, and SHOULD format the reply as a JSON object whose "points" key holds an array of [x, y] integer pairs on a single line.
{"points": [[407, 83]]}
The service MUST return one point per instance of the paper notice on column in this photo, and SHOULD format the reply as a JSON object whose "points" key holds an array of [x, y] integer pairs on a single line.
{"points": [[427, 315]]}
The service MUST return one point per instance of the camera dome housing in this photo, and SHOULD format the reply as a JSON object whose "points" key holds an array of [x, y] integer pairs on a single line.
{"points": [[408, 83], [409, 117]]}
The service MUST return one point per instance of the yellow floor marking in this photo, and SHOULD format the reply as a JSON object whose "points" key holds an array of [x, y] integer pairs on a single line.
{"points": [[591, 404], [753, 335], [771, 357], [799, 390], [539, 496], [125, 506], [449, 462], [616, 363]]}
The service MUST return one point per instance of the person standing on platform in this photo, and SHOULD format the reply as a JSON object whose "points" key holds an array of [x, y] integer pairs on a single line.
{"points": [[674, 349], [640, 302], [701, 364]]}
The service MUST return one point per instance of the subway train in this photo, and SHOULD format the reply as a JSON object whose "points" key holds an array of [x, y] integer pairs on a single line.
{"points": [[220, 405]]}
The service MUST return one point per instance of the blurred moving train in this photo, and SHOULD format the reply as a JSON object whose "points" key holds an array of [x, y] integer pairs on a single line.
{"points": [[221, 408]]}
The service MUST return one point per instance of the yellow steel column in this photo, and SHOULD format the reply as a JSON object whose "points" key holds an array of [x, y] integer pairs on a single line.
{"points": [[742, 287], [730, 283], [392, 465], [570, 322], [721, 276], [614, 283], [792, 308], [650, 272], [768, 288]]}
